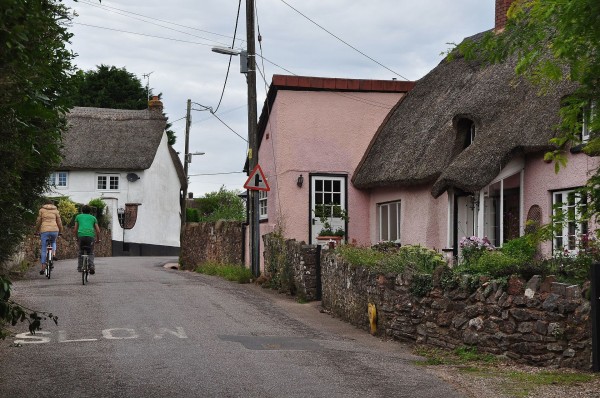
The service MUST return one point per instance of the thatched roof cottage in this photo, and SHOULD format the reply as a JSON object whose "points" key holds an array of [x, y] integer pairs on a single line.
{"points": [[462, 155], [123, 157]]}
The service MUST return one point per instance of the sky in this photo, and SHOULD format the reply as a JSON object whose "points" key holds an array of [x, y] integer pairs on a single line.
{"points": [[167, 45]]}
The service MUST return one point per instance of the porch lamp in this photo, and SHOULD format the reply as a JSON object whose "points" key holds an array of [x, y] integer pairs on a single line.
{"points": [[300, 181], [248, 66]]}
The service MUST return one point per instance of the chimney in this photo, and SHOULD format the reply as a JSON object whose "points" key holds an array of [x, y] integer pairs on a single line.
{"points": [[155, 104], [502, 7]]}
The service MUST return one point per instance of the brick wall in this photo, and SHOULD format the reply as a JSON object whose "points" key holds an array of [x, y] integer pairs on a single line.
{"points": [[220, 242]]}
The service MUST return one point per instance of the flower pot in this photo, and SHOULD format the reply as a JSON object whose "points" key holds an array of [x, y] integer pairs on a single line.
{"points": [[331, 240]]}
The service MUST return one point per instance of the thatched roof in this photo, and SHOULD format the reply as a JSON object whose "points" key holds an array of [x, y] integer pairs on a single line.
{"points": [[111, 139], [418, 142]]}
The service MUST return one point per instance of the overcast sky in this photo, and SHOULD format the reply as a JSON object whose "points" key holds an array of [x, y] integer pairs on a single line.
{"points": [[171, 42]]}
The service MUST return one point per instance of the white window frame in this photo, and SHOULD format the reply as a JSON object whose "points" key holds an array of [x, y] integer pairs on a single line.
{"points": [[383, 210], [56, 177], [263, 205], [585, 124], [568, 233], [110, 178]]}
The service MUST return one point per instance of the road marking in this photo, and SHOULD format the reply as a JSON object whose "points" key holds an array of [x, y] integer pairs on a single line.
{"points": [[42, 337], [108, 334], [62, 338]]}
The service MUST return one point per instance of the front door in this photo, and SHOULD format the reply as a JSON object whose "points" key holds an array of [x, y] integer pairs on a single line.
{"points": [[328, 204]]}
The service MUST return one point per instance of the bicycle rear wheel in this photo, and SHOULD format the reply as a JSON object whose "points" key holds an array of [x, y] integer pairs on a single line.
{"points": [[84, 270], [49, 262]]}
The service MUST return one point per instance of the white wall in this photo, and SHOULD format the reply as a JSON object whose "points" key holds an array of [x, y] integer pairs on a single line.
{"points": [[158, 189]]}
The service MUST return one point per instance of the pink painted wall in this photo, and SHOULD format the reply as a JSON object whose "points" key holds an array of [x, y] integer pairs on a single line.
{"points": [[541, 180], [423, 219], [318, 132]]}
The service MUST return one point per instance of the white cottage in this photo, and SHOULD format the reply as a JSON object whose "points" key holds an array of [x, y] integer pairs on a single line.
{"points": [[123, 157]]}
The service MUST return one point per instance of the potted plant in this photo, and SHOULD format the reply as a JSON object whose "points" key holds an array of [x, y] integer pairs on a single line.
{"points": [[328, 233]]}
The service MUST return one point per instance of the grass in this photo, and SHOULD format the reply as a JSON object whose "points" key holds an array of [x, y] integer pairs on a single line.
{"points": [[509, 380], [233, 273], [459, 356]]}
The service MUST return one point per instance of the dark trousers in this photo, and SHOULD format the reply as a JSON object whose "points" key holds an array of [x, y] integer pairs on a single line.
{"points": [[86, 246]]}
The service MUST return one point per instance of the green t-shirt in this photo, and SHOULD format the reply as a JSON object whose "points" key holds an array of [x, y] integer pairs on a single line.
{"points": [[86, 225]]}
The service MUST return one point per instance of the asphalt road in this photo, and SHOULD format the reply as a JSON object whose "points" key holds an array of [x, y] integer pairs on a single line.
{"points": [[140, 330]]}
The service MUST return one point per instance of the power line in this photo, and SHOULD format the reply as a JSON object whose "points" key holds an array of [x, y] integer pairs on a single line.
{"points": [[208, 108], [346, 43], [216, 174], [109, 8], [146, 35]]}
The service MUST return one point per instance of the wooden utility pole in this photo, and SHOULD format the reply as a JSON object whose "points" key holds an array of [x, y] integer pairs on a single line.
{"points": [[254, 218], [186, 161]]}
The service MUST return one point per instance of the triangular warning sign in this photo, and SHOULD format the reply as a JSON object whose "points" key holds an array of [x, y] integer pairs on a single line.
{"points": [[257, 181]]}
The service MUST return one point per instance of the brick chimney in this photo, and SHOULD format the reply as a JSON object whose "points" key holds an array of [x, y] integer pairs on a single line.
{"points": [[155, 104], [502, 7]]}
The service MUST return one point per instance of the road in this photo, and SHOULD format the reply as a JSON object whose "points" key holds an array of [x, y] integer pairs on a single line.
{"points": [[141, 330]]}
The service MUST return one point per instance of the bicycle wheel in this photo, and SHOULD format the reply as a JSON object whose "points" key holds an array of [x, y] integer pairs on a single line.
{"points": [[49, 262], [84, 268]]}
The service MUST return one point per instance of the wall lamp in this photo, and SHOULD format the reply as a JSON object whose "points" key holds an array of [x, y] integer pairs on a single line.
{"points": [[300, 181]]}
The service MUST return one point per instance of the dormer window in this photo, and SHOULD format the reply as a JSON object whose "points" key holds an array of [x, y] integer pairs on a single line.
{"points": [[465, 132], [586, 122]]}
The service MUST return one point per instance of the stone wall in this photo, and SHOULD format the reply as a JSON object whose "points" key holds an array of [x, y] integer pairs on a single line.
{"points": [[66, 247], [220, 242], [292, 267], [538, 322]]}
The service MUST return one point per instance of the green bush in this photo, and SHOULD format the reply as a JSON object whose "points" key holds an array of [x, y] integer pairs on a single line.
{"points": [[418, 258], [421, 284], [67, 209], [522, 249], [192, 215]]}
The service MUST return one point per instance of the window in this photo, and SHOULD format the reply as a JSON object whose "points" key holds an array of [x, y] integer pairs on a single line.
{"points": [[586, 122], [58, 179], [569, 208], [262, 205], [465, 132], [108, 182], [388, 216]]}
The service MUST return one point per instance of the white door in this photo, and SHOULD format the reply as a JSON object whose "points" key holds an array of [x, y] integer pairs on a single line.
{"points": [[328, 204]]}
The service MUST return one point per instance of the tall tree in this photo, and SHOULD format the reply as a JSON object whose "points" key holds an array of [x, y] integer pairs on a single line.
{"points": [[112, 87], [555, 40], [34, 81]]}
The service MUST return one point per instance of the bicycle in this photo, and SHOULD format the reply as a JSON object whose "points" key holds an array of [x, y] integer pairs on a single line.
{"points": [[85, 264]]}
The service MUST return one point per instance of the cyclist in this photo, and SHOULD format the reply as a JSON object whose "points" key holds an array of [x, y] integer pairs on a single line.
{"points": [[48, 225], [87, 231]]}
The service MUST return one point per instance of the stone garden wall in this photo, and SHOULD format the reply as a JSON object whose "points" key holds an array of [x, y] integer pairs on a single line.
{"points": [[292, 267], [220, 242], [537, 322]]}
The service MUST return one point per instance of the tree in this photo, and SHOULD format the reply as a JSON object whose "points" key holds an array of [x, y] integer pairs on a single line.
{"points": [[34, 81], [555, 40], [112, 87], [221, 205]]}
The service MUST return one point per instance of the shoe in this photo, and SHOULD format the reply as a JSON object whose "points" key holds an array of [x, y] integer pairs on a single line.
{"points": [[92, 271], [42, 272]]}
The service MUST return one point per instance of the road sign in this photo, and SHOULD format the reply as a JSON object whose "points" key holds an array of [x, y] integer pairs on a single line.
{"points": [[257, 181]]}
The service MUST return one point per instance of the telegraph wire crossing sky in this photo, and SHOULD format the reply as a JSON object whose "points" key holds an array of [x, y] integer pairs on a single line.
{"points": [[169, 44]]}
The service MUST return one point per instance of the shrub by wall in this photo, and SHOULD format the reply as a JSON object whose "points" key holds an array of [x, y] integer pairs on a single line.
{"points": [[218, 242], [538, 322]]}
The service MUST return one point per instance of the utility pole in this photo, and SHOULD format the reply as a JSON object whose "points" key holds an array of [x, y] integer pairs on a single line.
{"points": [[254, 218], [188, 123]]}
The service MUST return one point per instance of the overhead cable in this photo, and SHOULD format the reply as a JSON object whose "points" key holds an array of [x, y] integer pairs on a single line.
{"points": [[343, 41]]}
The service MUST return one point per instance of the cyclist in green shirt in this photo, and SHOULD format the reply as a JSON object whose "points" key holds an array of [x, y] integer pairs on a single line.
{"points": [[87, 232]]}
